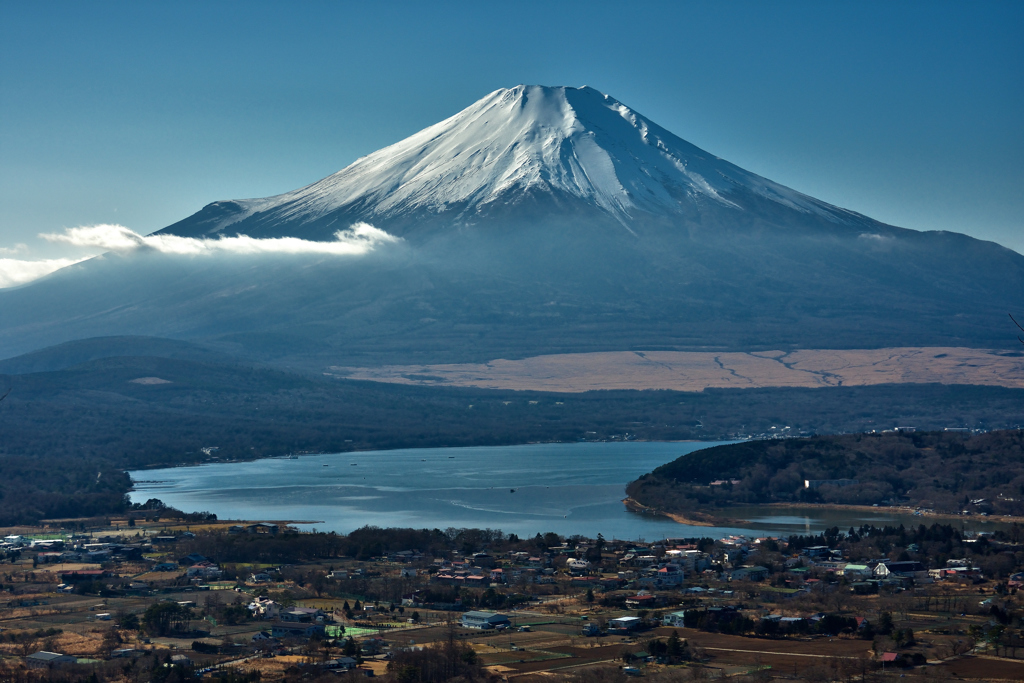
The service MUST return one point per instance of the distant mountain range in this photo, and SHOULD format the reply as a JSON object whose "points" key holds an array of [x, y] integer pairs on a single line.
{"points": [[537, 221]]}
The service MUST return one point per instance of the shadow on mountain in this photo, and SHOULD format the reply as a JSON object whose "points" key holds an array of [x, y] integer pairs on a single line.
{"points": [[513, 290]]}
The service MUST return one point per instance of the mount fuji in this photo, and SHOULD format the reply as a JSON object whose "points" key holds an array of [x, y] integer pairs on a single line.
{"points": [[538, 220], [575, 147]]}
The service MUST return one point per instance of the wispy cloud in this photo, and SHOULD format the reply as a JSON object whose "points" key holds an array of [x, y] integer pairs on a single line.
{"points": [[357, 239], [15, 272]]}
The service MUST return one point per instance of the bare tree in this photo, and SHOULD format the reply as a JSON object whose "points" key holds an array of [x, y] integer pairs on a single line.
{"points": [[961, 646], [1018, 327]]}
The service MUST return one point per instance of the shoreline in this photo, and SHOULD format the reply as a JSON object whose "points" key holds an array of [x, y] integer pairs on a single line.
{"points": [[900, 509], [715, 520], [698, 519], [296, 456]]}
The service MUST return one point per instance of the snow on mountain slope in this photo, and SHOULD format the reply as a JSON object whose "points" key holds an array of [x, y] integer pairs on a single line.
{"points": [[574, 141], [513, 219]]}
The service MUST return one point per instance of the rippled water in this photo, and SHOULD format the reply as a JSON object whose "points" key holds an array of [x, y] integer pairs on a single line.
{"points": [[572, 488], [567, 488]]}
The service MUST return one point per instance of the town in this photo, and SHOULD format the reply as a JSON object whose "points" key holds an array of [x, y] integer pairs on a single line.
{"points": [[161, 595]]}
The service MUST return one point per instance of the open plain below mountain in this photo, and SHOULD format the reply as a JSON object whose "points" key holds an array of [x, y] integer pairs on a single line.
{"points": [[696, 371]]}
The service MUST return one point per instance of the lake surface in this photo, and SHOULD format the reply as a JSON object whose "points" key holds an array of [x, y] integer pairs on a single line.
{"points": [[568, 488]]}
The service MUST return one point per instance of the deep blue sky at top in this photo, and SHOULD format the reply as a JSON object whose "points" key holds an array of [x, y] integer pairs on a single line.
{"points": [[141, 113]]}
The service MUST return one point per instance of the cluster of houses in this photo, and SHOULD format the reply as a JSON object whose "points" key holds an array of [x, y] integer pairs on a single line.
{"points": [[777, 622], [80, 548], [661, 566], [639, 566], [480, 569], [60, 550], [199, 568], [664, 570], [87, 549], [869, 575], [666, 567]]}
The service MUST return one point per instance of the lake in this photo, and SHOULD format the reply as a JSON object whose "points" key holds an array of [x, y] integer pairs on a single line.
{"points": [[568, 488]]}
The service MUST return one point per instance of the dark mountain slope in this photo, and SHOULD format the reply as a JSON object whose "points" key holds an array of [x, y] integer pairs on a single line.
{"points": [[81, 351]]}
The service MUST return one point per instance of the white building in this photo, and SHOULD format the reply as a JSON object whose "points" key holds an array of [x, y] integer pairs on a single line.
{"points": [[673, 618], [857, 571], [484, 620], [263, 608], [623, 624]]}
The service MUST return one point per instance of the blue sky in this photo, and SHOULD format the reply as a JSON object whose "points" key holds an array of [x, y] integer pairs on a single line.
{"points": [[141, 113]]}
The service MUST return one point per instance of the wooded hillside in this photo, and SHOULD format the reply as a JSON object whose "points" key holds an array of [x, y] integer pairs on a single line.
{"points": [[939, 470]]}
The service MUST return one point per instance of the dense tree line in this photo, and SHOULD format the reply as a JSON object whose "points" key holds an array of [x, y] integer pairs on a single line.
{"points": [[945, 471], [361, 544], [289, 547], [444, 661], [47, 486]]}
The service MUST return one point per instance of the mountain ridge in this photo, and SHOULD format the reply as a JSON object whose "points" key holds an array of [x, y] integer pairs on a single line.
{"points": [[79, 351]]}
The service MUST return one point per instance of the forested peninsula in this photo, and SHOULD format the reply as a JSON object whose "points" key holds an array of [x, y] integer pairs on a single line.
{"points": [[944, 472]]}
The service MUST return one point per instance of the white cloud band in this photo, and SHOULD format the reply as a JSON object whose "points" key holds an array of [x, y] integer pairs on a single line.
{"points": [[14, 272], [357, 239]]}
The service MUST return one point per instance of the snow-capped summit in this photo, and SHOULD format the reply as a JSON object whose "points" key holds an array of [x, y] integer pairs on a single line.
{"points": [[526, 141], [537, 221]]}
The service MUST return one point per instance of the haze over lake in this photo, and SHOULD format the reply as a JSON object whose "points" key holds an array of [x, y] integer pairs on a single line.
{"points": [[567, 488]]}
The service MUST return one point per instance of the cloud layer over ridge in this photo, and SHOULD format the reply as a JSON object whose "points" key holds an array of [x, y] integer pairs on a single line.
{"points": [[356, 240], [14, 272]]}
